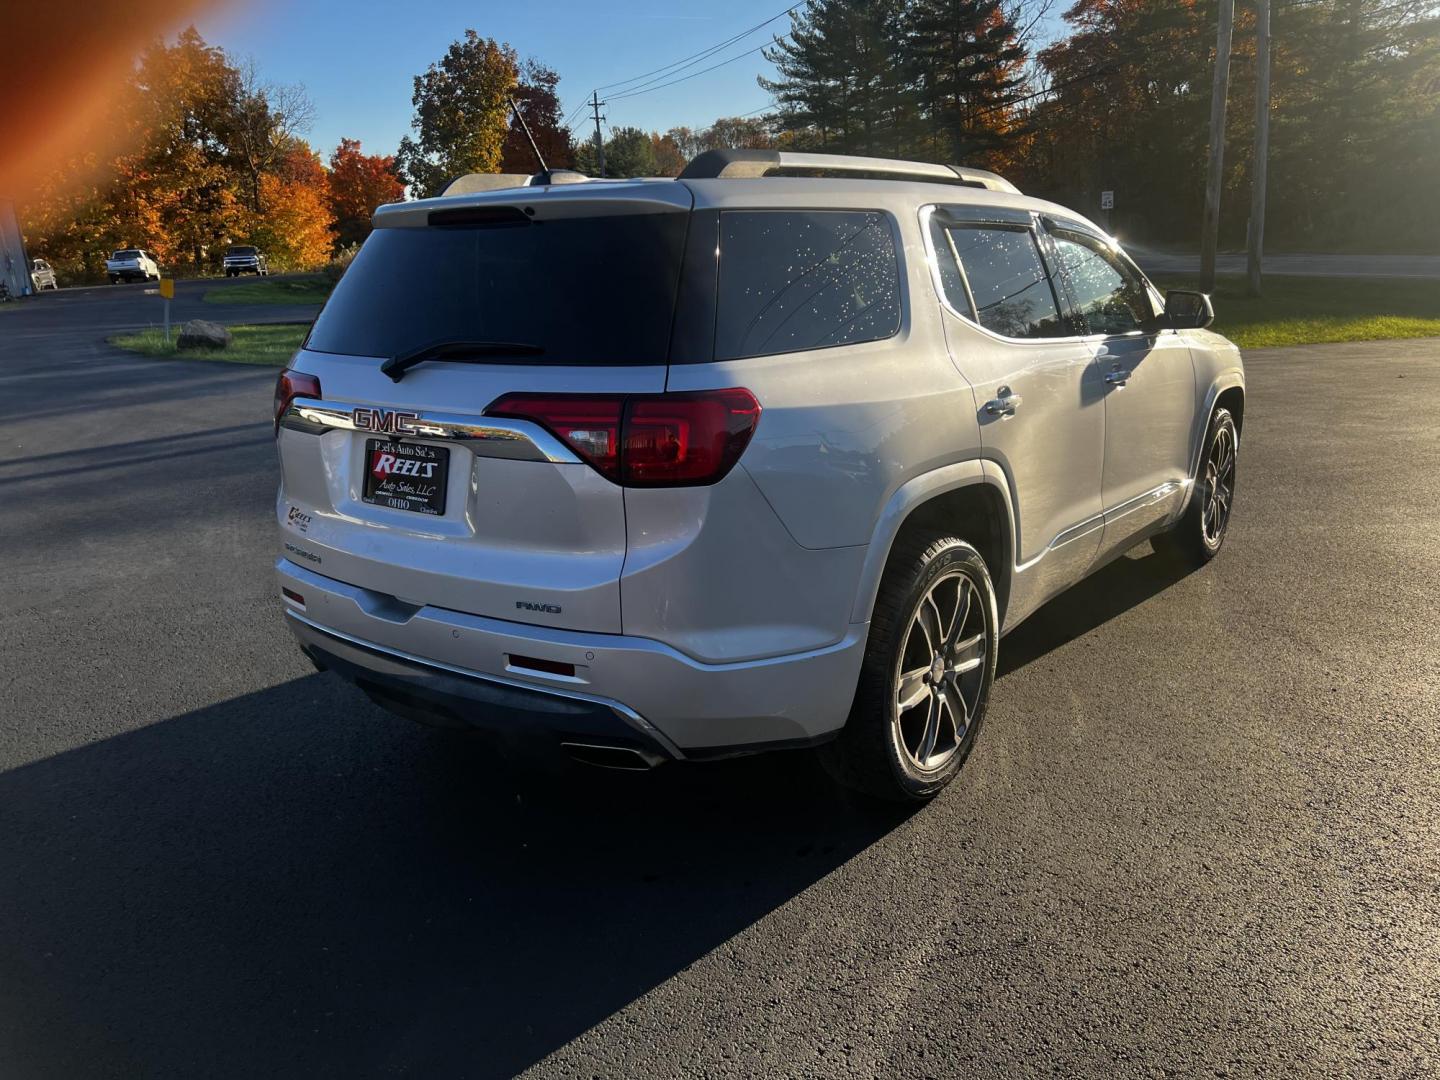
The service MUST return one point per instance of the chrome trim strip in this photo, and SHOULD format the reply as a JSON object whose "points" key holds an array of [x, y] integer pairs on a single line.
{"points": [[1097, 521], [1148, 498], [629, 715], [1075, 532], [494, 437]]}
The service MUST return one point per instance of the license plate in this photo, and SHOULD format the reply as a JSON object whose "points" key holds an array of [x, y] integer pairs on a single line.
{"points": [[406, 476]]}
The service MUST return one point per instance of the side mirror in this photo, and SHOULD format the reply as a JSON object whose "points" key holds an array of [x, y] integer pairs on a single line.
{"points": [[1186, 309]]}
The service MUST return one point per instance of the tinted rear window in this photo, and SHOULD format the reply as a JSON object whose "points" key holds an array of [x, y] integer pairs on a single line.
{"points": [[594, 290], [809, 279], [127, 253]]}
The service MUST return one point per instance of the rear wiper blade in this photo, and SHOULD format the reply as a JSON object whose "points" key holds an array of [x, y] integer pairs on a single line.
{"points": [[456, 352]]}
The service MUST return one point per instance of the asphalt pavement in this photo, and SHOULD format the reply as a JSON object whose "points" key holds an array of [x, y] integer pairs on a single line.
{"points": [[1198, 836]]}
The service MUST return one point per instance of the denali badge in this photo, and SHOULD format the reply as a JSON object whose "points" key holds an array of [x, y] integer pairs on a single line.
{"points": [[549, 609], [382, 420]]}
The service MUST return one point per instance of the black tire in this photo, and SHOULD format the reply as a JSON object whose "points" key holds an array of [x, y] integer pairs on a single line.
{"points": [[1199, 534], [873, 752]]}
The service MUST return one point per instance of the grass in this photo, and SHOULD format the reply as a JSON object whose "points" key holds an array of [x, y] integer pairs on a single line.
{"points": [[1312, 310], [270, 345], [269, 291]]}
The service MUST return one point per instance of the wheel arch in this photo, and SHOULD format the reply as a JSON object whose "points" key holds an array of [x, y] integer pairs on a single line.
{"points": [[964, 500], [1227, 391]]}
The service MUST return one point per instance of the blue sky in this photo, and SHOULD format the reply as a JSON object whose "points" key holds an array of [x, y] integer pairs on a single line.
{"points": [[357, 58]]}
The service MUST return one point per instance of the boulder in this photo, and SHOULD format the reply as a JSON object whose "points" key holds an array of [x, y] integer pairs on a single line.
{"points": [[200, 334]]}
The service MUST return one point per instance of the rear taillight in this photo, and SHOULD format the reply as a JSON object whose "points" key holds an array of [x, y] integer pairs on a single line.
{"points": [[646, 440], [290, 385]]}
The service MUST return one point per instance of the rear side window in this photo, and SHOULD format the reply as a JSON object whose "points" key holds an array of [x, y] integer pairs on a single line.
{"points": [[792, 280], [1009, 291], [583, 290]]}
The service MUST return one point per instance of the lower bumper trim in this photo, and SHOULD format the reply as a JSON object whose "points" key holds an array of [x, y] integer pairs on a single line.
{"points": [[442, 695]]}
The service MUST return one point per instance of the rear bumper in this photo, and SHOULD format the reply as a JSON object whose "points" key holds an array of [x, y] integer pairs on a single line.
{"points": [[446, 667]]}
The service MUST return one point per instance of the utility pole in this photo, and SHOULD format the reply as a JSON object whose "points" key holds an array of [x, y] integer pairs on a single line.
{"points": [[1210, 234], [595, 104], [1255, 243]]}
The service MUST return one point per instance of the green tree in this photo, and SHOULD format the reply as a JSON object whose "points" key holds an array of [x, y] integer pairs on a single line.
{"points": [[462, 114], [839, 79], [628, 152]]}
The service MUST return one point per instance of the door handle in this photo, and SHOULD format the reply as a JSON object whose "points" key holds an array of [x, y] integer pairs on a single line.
{"points": [[1004, 404], [1117, 377]]}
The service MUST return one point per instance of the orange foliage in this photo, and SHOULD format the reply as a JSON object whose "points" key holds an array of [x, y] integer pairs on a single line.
{"points": [[358, 184]]}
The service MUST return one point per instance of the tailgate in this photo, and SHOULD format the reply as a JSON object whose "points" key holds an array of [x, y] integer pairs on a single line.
{"points": [[398, 483], [518, 528]]}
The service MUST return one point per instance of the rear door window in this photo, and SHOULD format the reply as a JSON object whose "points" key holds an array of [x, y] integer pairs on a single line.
{"points": [[579, 290], [793, 280], [996, 276]]}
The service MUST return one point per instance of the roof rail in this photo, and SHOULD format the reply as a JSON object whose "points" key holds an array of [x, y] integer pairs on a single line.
{"points": [[736, 164]]}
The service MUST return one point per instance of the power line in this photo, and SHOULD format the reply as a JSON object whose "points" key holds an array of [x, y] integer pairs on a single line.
{"points": [[696, 74], [703, 54]]}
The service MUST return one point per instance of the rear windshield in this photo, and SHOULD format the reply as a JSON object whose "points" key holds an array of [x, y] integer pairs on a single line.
{"points": [[242, 251], [593, 290], [127, 253]]}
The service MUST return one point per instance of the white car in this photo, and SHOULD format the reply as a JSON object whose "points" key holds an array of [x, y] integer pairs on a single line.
{"points": [[43, 275], [132, 264], [768, 455]]}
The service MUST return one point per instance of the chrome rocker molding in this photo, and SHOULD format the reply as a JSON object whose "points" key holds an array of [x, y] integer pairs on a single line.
{"points": [[493, 437]]}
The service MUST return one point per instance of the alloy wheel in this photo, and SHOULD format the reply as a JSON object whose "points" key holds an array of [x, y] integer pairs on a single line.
{"points": [[941, 672], [1219, 485]]}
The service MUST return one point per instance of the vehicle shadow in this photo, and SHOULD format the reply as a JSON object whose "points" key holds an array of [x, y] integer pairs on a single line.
{"points": [[294, 883], [1131, 579]]}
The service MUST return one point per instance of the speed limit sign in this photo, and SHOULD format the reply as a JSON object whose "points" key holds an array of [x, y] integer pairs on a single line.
{"points": [[1107, 200]]}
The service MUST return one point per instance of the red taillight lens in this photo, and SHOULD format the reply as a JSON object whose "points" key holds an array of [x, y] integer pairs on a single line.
{"points": [[290, 385], [686, 438], [588, 424], [646, 440]]}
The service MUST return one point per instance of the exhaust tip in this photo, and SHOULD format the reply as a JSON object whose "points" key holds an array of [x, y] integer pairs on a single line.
{"points": [[625, 758]]}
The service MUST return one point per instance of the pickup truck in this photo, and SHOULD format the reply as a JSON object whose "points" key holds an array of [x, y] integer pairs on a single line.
{"points": [[132, 264], [245, 260]]}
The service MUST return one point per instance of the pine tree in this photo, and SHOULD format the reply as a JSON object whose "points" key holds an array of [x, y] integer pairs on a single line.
{"points": [[965, 64], [838, 79]]}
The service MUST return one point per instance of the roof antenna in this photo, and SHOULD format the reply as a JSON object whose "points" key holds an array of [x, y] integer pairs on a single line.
{"points": [[526, 128]]}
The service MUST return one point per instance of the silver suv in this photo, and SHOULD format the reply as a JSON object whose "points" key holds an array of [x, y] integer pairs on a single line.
{"points": [[769, 455]]}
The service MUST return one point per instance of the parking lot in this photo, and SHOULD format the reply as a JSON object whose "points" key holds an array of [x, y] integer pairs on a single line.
{"points": [[1198, 836]]}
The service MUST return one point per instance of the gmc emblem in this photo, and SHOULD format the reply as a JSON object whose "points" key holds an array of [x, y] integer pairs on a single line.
{"points": [[384, 421]]}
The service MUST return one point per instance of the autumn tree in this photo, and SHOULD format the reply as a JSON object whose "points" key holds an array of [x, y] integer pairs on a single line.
{"points": [[666, 154], [539, 103], [296, 227], [175, 188], [267, 118], [194, 174], [358, 184], [462, 114]]}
